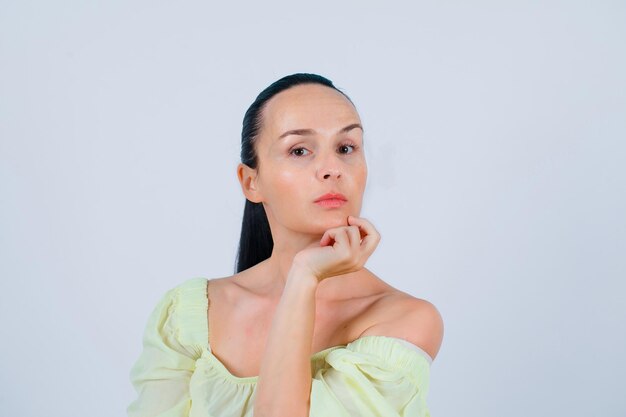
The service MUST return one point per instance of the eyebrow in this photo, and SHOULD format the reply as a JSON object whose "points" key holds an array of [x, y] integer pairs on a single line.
{"points": [[311, 131]]}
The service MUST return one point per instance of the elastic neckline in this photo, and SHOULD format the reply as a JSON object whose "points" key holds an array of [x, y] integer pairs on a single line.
{"points": [[359, 342], [253, 379]]}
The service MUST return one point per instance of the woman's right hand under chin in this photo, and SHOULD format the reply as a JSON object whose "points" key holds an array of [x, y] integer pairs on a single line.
{"points": [[342, 250]]}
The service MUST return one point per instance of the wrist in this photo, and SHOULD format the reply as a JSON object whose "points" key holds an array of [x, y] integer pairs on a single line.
{"points": [[302, 277]]}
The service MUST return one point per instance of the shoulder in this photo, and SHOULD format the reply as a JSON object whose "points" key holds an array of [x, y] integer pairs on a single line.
{"points": [[181, 302], [413, 319], [190, 290]]}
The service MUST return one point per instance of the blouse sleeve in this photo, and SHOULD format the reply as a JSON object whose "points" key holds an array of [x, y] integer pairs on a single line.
{"points": [[162, 373], [374, 376]]}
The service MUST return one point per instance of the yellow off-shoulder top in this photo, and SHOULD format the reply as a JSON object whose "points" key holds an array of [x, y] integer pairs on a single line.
{"points": [[176, 374]]}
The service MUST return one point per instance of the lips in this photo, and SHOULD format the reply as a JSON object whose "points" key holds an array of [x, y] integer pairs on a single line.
{"points": [[331, 196]]}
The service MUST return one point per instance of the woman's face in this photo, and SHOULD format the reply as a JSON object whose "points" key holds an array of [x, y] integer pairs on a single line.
{"points": [[296, 168]]}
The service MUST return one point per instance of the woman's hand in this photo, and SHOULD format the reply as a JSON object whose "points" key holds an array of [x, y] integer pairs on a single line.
{"points": [[342, 249]]}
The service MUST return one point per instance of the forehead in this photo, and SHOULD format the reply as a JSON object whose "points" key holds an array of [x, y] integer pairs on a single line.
{"points": [[308, 106]]}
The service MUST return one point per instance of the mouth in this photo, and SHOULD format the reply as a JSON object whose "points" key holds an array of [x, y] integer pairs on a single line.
{"points": [[331, 196], [331, 200], [331, 203]]}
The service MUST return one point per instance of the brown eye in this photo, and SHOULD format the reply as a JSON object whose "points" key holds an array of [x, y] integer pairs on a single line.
{"points": [[296, 151], [349, 145], [291, 152]]}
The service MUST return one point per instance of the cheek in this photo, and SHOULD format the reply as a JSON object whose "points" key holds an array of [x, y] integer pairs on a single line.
{"points": [[288, 186], [361, 175], [285, 180]]}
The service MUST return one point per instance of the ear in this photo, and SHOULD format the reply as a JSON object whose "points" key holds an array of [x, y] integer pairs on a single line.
{"points": [[247, 179]]}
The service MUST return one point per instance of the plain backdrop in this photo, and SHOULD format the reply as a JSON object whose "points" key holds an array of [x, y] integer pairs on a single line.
{"points": [[495, 140]]}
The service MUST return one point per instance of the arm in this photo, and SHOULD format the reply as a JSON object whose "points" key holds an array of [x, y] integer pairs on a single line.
{"points": [[284, 384], [162, 372], [372, 377]]}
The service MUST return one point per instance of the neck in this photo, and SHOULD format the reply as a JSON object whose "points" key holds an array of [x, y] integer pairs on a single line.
{"points": [[272, 273], [275, 272], [280, 262]]}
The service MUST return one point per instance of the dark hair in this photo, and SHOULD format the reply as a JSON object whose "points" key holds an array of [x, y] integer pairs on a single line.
{"points": [[256, 243]]}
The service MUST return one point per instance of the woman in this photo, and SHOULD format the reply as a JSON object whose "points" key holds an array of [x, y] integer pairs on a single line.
{"points": [[302, 328]]}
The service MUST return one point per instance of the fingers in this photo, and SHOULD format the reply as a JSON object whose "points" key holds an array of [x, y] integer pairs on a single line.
{"points": [[356, 241], [354, 235], [371, 235], [348, 247], [360, 232], [337, 234]]}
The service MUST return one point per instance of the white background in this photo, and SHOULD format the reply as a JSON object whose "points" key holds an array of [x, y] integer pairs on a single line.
{"points": [[495, 136]]}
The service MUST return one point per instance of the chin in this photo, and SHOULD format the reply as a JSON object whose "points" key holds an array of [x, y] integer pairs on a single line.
{"points": [[339, 219]]}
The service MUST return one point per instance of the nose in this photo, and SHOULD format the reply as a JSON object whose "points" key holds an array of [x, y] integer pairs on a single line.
{"points": [[332, 173], [329, 168]]}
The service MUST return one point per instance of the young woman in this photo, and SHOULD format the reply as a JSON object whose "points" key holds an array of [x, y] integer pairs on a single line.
{"points": [[302, 328]]}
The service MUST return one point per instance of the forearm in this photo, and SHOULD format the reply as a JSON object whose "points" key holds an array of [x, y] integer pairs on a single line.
{"points": [[284, 384]]}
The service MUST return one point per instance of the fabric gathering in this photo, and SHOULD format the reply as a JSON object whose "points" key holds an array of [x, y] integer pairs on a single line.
{"points": [[177, 375]]}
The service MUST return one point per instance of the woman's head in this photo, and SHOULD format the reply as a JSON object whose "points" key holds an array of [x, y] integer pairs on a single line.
{"points": [[301, 138]]}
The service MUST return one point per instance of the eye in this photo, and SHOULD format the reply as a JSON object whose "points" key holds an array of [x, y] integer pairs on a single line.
{"points": [[349, 145], [291, 152], [343, 145]]}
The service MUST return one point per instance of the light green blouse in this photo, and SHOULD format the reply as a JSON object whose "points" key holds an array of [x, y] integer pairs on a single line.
{"points": [[176, 374]]}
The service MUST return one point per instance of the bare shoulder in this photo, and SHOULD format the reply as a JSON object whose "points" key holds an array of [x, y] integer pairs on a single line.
{"points": [[235, 290], [413, 319]]}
